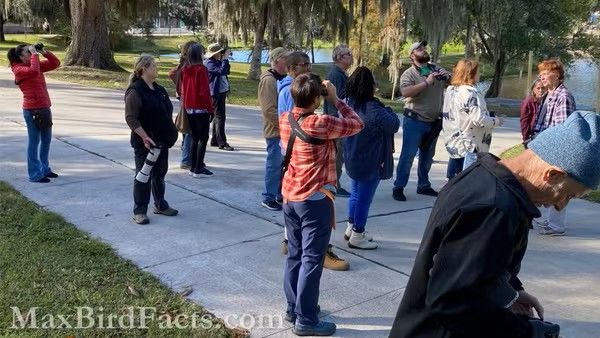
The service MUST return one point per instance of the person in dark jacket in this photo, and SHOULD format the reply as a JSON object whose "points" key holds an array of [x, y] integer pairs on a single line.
{"points": [[529, 109], [464, 281], [29, 76], [368, 155], [197, 103], [148, 113], [342, 61], [217, 63]]}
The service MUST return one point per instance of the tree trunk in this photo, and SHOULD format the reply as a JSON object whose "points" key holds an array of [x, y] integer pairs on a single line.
{"points": [[90, 45], [469, 48], [499, 68], [2, 37], [259, 39]]}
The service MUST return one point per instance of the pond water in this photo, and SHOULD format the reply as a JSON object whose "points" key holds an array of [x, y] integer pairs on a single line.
{"points": [[582, 80], [243, 55]]}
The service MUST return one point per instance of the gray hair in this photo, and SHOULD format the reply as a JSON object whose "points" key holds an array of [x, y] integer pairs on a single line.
{"points": [[339, 51], [535, 82]]}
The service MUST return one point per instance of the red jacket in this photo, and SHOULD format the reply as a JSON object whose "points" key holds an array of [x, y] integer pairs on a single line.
{"points": [[529, 109], [31, 81], [194, 88]]}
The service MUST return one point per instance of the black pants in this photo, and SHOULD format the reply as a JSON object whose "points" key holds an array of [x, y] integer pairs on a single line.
{"points": [[218, 126], [199, 124], [156, 183]]}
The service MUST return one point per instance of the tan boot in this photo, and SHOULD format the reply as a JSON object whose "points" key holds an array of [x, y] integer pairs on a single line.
{"points": [[333, 262]]}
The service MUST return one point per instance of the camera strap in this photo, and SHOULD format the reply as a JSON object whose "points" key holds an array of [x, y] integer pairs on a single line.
{"points": [[296, 131]]}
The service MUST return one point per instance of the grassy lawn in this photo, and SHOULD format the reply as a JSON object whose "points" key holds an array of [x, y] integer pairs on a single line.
{"points": [[46, 262], [594, 196]]}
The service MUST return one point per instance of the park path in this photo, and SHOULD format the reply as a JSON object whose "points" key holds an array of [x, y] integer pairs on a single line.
{"points": [[225, 246]]}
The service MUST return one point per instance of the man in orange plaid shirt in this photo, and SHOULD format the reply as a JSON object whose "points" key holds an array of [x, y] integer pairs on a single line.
{"points": [[308, 190]]}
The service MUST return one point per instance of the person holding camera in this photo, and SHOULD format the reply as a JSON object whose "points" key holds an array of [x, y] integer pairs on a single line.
{"points": [[148, 113], [308, 190], [368, 155], [423, 87], [29, 76], [198, 105], [217, 63], [467, 122]]}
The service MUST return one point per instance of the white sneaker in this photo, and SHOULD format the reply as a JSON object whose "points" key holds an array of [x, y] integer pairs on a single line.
{"points": [[540, 223], [360, 241], [348, 232], [548, 231]]}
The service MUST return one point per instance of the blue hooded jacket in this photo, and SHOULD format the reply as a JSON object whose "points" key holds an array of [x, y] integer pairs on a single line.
{"points": [[369, 154], [284, 101]]}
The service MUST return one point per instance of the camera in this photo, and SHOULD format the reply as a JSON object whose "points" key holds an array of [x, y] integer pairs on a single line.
{"points": [[39, 46], [324, 91], [144, 174]]}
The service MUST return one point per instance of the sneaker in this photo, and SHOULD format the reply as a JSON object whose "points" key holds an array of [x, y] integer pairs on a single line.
{"points": [[226, 147], [271, 205], [283, 247], [540, 223], [398, 194], [321, 329], [185, 166], [291, 317], [548, 231], [140, 219], [427, 191], [359, 241], [348, 232], [42, 180], [341, 192], [202, 172], [279, 200], [167, 212], [333, 262], [51, 175]]}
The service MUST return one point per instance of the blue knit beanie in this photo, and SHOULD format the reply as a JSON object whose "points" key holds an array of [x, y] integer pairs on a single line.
{"points": [[573, 146]]}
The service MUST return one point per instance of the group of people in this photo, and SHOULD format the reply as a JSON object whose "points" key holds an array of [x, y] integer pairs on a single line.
{"points": [[464, 281]]}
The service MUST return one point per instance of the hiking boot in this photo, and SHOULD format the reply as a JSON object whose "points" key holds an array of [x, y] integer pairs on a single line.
{"points": [[167, 212], [140, 219], [348, 233], [321, 329], [291, 317], [427, 192], [333, 262], [548, 231], [284, 248], [271, 205], [359, 241], [341, 192], [398, 194]]}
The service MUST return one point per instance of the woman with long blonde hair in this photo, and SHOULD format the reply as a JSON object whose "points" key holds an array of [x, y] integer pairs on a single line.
{"points": [[467, 123]]}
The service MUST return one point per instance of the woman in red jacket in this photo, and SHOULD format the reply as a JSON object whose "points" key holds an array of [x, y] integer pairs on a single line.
{"points": [[29, 76], [529, 109], [195, 97]]}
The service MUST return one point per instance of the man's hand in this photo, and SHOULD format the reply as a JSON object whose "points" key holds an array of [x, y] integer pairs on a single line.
{"points": [[430, 79], [525, 305]]}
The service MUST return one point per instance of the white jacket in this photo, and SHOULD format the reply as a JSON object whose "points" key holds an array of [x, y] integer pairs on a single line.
{"points": [[467, 122]]}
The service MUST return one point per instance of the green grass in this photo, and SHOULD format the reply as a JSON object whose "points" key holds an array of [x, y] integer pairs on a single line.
{"points": [[46, 262], [515, 150]]}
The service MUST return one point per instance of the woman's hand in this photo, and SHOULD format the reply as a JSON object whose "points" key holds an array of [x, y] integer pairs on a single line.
{"points": [[32, 50], [148, 143]]}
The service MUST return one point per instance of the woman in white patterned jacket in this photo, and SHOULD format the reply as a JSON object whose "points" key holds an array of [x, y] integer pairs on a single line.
{"points": [[467, 122]]}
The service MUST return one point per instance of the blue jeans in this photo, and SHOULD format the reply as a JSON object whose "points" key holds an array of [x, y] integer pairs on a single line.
{"points": [[308, 225], [186, 150], [361, 196], [272, 170], [37, 161], [414, 132], [455, 166]]}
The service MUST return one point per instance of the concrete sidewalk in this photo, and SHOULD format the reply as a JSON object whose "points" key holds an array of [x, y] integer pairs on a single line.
{"points": [[226, 246]]}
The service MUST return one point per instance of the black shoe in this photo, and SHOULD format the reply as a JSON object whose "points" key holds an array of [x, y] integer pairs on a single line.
{"points": [[291, 317], [271, 205], [279, 200], [226, 147], [214, 143], [203, 171], [398, 194], [341, 192], [43, 180], [427, 191], [51, 175]]}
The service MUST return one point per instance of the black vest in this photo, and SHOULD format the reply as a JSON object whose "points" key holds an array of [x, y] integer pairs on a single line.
{"points": [[155, 115]]}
